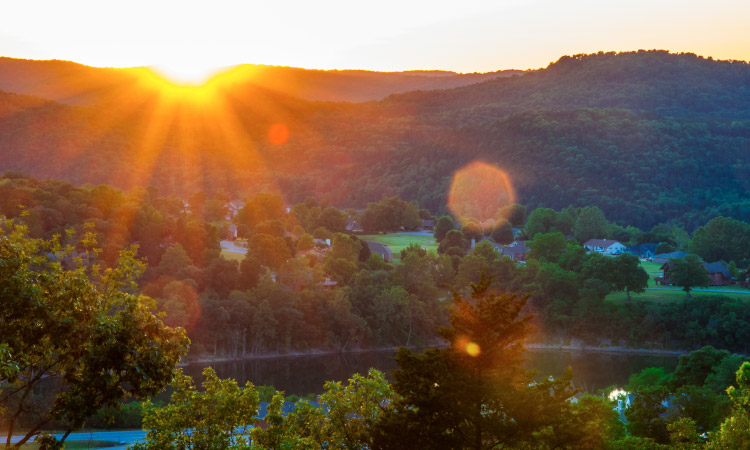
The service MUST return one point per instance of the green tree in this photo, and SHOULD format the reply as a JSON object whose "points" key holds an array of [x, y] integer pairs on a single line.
{"points": [[79, 327], [503, 232], [722, 238], [474, 394], [627, 274], [735, 430], [644, 414], [443, 225], [212, 418], [590, 224], [688, 272], [515, 214], [547, 246]]}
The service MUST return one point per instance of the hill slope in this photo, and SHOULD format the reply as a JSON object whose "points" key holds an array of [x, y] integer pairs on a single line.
{"points": [[648, 136]]}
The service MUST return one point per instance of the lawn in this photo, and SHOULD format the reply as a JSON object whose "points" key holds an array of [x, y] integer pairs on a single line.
{"points": [[399, 241], [232, 256], [669, 296]]}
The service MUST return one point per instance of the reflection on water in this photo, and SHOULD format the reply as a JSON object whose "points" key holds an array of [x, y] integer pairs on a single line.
{"points": [[301, 375]]}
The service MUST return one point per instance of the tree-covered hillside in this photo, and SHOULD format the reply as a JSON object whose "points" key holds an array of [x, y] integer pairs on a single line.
{"points": [[650, 137]]}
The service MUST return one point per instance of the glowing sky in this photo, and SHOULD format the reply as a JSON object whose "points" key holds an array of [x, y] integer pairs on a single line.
{"points": [[468, 36]]}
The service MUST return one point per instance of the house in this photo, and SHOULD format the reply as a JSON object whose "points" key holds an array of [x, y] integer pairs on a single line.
{"points": [[381, 249], [717, 272], [428, 224], [328, 283], [644, 251], [353, 226], [516, 251], [665, 257], [606, 246], [233, 208]]}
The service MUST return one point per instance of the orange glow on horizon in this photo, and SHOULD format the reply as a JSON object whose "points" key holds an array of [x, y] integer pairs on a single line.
{"points": [[479, 191]]}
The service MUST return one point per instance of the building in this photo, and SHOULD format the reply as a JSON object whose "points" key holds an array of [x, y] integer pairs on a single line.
{"points": [[644, 251], [381, 249], [665, 257], [605, 246]]}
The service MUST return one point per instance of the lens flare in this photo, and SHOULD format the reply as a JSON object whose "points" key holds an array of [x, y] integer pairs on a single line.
{"points": [[480, 191], [278, 134], [472, 349]]}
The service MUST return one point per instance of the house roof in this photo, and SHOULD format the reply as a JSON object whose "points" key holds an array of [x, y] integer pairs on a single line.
{"points": [[428, 223], [717, 267], [377, 247], [513, 249], [603, 243]]}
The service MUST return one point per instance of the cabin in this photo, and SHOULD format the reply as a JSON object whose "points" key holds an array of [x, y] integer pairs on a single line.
{"points": [[718, 273], [428, 224], [605, 246]]}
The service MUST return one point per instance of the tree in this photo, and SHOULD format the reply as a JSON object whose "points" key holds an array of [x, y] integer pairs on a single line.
{"points": [[696, 367], [688, 272], [268, 250], [515, 214], [627, 273], [590, 224], [722, 238], [443, 225], [644, 414], [503, 232], [212, 418], [549, 246], [735, 431], [79, 327], [474, 393]]}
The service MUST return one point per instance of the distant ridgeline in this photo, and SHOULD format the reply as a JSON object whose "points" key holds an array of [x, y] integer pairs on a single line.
{"points": [[649, 137]]}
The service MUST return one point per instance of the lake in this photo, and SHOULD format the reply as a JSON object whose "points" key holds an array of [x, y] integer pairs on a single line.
{"points": [[301, 375]]}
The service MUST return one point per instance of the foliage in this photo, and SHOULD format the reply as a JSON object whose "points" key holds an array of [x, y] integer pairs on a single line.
{"points": [[474, 393], [212, 418], [89, 334], [688, 272]]}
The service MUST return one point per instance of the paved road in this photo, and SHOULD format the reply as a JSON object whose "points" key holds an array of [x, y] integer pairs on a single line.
{"points": [[702, 290]]}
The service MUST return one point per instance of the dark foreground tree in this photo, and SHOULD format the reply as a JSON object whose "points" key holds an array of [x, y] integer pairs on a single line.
{"points": [[75, 328], [688, 272], [474, 394]]}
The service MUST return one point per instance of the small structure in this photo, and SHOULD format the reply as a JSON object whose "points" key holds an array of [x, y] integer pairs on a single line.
{"points": [[665, 257], [353, 226], [428, 224], [381, 249], [718, 273], [605, 246], [644, 251], [328, 283], [516, 251]]}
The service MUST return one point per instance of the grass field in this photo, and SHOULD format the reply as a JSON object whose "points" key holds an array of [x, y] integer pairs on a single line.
{"points": [[232, 256], [399, 241], [669, 294]]}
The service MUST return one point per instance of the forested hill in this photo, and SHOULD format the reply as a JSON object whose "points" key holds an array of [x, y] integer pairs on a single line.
{"points": [[78, 84], [650, 137], [682, 85]]}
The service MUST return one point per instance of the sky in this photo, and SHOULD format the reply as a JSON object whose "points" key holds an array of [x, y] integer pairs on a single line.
{"points": [[191, 38]]}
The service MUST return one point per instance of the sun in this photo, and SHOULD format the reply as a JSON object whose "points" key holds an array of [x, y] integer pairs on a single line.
{"points": [[188, 72]]}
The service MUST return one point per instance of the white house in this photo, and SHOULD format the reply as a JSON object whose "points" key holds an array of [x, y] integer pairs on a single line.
{"points": [[606, 246]]}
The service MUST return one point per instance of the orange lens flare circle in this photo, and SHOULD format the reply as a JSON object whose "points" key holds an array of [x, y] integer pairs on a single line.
{"points": [[480, 191], [278, 134]]}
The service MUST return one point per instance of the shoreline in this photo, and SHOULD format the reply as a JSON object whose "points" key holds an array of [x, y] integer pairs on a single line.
{"points": [[529, 347]]}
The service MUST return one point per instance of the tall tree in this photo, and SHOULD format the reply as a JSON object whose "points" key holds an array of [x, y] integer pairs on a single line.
{"points": [[627, 273], [79, 327], [688, 272], [474, 393]]}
